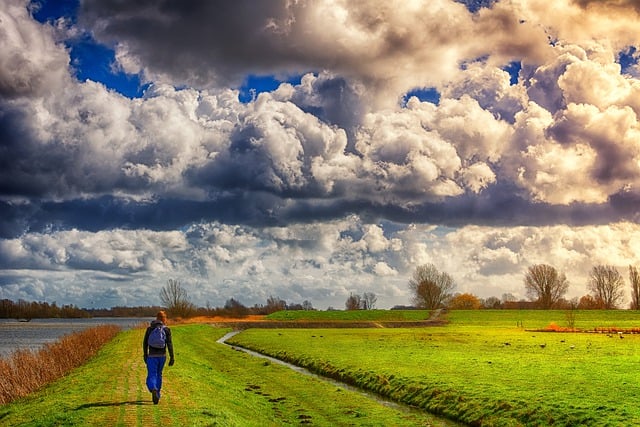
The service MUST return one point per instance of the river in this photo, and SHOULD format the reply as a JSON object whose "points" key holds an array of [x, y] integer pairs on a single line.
{"points": [[33, 335]]}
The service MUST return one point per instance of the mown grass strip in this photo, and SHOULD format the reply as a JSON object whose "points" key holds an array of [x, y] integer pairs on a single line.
{"points": [[211, 384], [496, 375]]}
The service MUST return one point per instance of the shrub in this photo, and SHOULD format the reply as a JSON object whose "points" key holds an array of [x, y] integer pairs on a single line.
{"points": [[25, 371]]}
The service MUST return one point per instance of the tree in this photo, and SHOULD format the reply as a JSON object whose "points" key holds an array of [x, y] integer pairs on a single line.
{"points": [[545, 285], [509, 297], [587, 302], [174, 297], [465, 301], [234, 307], [275, 304], [606, 284], [369, 300], [492, 302], [354, 302], [430, 287], [634, 279]]}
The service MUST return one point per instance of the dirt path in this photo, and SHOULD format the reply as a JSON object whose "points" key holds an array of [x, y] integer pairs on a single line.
{"points": [[121, 397]]}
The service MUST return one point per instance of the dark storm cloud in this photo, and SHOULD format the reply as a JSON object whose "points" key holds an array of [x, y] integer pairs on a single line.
{"points": [[496, 207], [388, 47], [230, 35], [615, 4]]}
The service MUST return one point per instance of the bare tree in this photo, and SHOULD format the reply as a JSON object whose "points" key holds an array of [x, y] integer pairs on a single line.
{"points": [[354, 302], [275, 304], [606, 284], [174, 297], [369, 300], [430, 287], [634, 279], [545, 285], [508, 297], [491, 302]]}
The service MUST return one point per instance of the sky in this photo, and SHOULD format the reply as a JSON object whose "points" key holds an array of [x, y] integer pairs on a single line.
{"points": [[310, 149]]}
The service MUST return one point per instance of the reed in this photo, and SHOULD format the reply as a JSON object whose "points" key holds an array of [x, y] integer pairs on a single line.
{"points": [[25, 371]]}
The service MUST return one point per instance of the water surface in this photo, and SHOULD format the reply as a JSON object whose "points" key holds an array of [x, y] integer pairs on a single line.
{"points": [[33, 335]]}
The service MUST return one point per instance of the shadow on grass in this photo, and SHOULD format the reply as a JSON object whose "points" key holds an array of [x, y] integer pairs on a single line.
{"points": [[108, 404]]}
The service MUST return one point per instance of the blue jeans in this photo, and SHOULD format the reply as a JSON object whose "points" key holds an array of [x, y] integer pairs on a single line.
{"points": [[154, 372]]}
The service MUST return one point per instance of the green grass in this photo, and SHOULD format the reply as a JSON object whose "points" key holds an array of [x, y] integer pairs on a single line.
{"points": [[482, 368], [210, 385], [537, 319], [350, 315]]}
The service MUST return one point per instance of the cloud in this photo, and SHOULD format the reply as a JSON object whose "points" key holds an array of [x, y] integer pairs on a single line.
{"points": [[30, 63], [329, 185], [364, 44], [317, 261]]}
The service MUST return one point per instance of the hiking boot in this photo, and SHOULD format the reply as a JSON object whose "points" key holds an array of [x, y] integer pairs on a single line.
{"points": [[155, 396]]}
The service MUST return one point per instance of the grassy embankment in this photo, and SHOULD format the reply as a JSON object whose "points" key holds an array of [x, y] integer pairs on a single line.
{"points": [[26, 371], [210, 384], [484, 367], [350, 315]]}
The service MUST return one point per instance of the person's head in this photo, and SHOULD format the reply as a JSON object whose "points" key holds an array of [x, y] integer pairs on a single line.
{"points": [[162, 316]]}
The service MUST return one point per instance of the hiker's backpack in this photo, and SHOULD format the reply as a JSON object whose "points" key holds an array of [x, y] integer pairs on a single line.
{"points": [[158, 337]]}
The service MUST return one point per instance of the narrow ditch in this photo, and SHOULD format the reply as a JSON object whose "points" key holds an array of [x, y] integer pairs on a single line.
{"points": [[344, 386]]}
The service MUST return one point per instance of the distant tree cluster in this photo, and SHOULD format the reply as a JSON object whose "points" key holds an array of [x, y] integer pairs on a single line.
{"points": [[25, 310], [234, 308], [365, 302], [430, 289]]}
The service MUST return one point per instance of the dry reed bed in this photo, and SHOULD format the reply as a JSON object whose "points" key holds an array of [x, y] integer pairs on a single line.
{"points": [[25, 371]]}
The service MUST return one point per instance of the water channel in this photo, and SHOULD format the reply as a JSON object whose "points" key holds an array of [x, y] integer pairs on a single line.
{"points": [[304, 371]]}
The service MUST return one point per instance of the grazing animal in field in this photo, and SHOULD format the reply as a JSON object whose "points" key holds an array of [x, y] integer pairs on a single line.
{"points": [[543, 345]]}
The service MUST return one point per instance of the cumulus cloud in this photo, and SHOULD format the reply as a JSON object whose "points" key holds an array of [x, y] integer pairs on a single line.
{"points": [[361, 42], [323, 262], [31, 62]]}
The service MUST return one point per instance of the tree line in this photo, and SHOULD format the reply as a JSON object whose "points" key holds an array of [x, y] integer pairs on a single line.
{"points": [[430, 288], [25, 310], [544, 285]]}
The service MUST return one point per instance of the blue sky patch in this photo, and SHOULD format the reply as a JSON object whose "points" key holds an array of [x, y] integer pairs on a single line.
{"points": [[424, 94], [90, 60], [513, 68], [628, 58], [256, 84]]}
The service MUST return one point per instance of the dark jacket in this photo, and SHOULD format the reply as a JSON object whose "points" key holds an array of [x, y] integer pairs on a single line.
{"points": [[157, 352]]}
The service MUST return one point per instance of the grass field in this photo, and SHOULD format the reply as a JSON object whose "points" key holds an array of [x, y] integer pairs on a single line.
{"points": [[210, 385], [484, 367], [350, 315], [489, 368]]}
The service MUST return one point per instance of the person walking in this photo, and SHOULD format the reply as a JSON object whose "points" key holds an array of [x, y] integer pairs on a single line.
{"points": [[157, 340]]}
